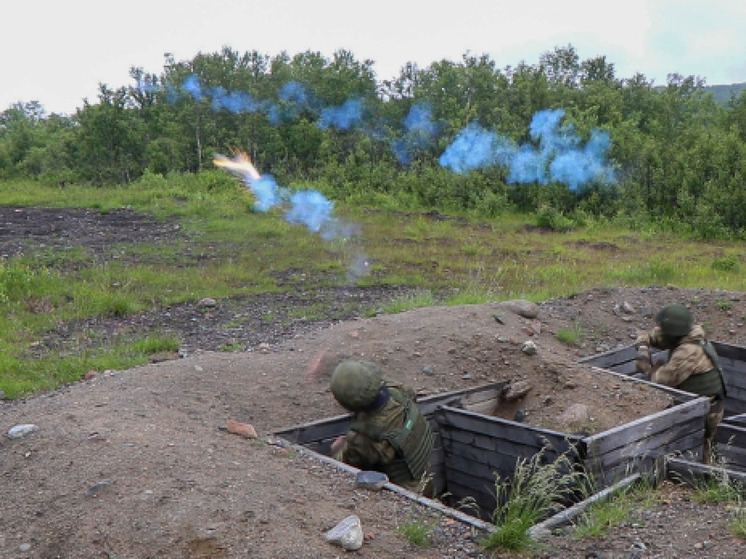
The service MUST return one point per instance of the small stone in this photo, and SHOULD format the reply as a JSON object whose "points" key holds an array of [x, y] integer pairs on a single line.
{"points": [[371, 480], [90, 375], [529, 348], [20, 431], [243, 429], [206, 303], [348, 534], [24, 547], [94, 490], [428, 370]]}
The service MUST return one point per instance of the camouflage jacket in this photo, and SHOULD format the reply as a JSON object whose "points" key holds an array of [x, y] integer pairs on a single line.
{"points": [[686, 359], [366, 453]]}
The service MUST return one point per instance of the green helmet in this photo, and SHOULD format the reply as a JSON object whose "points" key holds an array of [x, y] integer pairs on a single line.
{"points": [[355, 384], [675, 320]]}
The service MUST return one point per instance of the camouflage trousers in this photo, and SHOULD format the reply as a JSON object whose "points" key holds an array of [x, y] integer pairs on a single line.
{"points": [[713, 419]]}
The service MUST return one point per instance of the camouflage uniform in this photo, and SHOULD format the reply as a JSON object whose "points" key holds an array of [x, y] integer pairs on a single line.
{"points": [[687, 360], [391, 435]]}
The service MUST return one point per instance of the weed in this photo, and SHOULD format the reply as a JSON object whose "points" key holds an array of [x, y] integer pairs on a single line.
{"points": [[737, 523], [620, 508], [570, 337], [715, 489], [724, 305], [417, 531], [533, 493]]}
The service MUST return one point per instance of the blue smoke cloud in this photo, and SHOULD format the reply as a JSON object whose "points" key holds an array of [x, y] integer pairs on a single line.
{"points": [[558, 155], [346, 116], [420, 133]]}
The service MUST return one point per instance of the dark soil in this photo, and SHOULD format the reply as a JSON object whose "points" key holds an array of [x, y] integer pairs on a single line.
{"points": [[138, 463]]}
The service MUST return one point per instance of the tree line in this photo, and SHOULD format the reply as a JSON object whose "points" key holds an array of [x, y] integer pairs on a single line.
{"points": [[564, 136]]}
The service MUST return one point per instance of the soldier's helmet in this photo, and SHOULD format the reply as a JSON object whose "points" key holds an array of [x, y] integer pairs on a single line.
{"points": [[355, 384], [675, 320]]}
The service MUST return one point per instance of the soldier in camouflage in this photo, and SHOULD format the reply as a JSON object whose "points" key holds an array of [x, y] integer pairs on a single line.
{"points": [[692, 364], [388, 433]]}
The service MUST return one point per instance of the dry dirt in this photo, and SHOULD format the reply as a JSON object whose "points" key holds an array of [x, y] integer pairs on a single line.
{"points": [[138, 464]]}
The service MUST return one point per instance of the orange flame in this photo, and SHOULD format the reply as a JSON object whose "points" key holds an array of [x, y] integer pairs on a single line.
{"points": [[240, 164]]}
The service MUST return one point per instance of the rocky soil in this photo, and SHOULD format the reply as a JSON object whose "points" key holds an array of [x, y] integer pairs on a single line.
{"points": [[138, 463]]}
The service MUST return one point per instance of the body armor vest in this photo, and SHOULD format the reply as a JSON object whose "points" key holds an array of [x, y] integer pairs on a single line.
{"points": [[710, 383], [413, 441]]}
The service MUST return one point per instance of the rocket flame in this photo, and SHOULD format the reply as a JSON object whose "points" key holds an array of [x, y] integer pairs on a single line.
{"points": [[240, 164]]}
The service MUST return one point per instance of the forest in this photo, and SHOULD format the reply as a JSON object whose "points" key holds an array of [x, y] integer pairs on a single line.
{"points": [[565, 138]]}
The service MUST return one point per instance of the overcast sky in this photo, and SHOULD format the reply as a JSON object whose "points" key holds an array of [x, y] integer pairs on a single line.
{"points": [[57, 52]]}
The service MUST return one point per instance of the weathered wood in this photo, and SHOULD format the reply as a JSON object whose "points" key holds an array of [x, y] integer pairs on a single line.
{"points": [[687, 471], [739, 419], [328, 428], [465, 496], [486, 444], [497, 427], [461, 398], [629, 433]]}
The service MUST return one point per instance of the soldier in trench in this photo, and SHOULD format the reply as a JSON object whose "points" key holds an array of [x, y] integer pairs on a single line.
{"points": [[692, 364], [388, 433]]}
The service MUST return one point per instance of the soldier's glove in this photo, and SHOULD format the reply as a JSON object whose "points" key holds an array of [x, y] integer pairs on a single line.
{"points": [[643, 361]]}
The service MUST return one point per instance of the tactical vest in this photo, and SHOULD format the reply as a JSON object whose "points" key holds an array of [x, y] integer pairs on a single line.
{"points": [[710, 383], [412, 441]]}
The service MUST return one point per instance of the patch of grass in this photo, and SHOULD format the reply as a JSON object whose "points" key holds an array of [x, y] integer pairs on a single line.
{"points": [[418, 532], [531, 495], [737, 522], [715, 489], [409, 302], [231, 346], [570, 337], [602, 516]]}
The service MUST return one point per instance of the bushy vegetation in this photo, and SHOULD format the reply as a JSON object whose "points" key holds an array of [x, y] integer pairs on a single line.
{"points": [[674, 157]]}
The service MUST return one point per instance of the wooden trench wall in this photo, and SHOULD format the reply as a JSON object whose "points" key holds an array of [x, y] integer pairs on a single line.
{"points": [[731, 435], [473, 447]]}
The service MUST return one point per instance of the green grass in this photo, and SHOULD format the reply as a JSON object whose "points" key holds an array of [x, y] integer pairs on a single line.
{"points": [[620, 508], [229, 250], [418, 532], [531, 495]]}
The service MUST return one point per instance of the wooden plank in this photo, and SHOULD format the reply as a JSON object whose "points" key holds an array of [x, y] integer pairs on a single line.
{"points": [[628, 433], [739, 419], [686, 470], [612, 465], [318, 430], [611, 358], [485, 444], [461, 398], [494, 426], [460, 495], [731, 435]]}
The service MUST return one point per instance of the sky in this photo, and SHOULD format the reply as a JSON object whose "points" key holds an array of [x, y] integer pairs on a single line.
{"points": [[58, 52]]}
